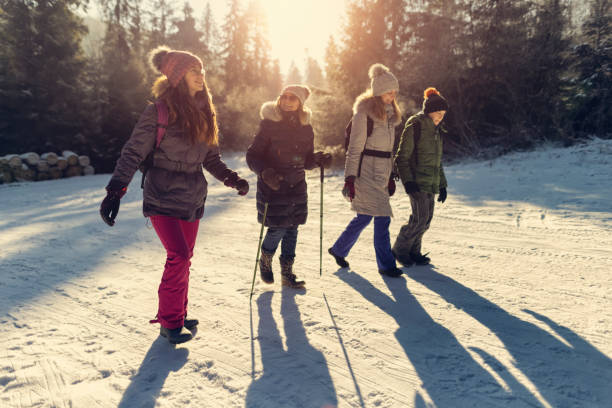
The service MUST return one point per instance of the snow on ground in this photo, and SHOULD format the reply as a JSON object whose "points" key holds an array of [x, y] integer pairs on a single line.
{"points": [[515, 310]]}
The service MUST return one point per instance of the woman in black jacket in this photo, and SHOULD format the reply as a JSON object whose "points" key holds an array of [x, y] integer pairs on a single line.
{"points": [[282, 149]]}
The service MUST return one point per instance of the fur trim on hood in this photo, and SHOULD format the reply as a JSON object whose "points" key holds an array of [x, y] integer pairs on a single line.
{"points": [[365, 102], [160, 86], [271, 112]]}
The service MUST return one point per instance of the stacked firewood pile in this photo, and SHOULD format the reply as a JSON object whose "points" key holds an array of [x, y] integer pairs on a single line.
{"points": [[34, 167]]}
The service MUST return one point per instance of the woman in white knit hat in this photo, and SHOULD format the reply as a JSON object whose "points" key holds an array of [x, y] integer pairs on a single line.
{"points": [[369, 164], [282, 149]]}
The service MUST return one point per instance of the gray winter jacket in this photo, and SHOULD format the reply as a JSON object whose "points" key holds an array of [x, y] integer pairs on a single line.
{"points": [[175, 186], [371, 184]]}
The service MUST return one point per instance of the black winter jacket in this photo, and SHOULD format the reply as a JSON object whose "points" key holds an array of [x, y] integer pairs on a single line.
{"points": [[288, 149]]}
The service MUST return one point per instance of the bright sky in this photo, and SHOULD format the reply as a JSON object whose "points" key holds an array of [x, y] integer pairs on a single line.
{"points": [[295, 26]]}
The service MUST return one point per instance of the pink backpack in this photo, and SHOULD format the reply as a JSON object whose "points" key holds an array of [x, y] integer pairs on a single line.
{"points": [[162, 125]]}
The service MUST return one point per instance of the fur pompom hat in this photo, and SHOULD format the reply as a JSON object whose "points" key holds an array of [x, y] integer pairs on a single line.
{"points": [[434, 101], [301, 91], [382, 80], [173, 64]]}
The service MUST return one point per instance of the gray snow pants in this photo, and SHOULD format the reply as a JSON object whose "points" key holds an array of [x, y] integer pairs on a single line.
{"points": [[409, 239]]}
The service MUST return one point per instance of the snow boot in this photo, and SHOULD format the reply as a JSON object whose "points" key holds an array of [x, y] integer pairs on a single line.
{"points": [[190, 324], [175, 336], [405, 261], [340, 260], [393, 273], [265, 266], [288, 278], [420, 259]]}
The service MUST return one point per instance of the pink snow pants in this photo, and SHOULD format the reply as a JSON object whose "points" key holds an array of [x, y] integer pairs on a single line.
{"points": [[178, 237]]}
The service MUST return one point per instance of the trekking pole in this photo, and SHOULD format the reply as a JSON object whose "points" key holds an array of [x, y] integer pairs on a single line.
{"points": [[263, 222], [321, 228]]}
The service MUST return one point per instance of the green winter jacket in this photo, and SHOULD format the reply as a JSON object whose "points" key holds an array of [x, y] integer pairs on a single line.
{"points": [[421, 163]]}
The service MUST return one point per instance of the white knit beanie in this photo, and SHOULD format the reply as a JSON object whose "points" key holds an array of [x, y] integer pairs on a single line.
{"points": [[383, 80], [301, 91]]}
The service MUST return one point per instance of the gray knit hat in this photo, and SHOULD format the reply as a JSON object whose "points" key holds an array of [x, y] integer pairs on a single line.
{"points": [[383, 80], [301, 91]]}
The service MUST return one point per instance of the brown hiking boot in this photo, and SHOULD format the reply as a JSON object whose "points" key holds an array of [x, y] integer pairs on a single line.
{"points": [[265, 267], [289, 279]]}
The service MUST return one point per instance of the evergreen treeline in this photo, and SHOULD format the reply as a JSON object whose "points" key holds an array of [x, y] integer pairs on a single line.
{"points": [[516, 73]]}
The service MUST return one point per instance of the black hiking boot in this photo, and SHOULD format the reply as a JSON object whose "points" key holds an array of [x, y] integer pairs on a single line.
{"points": [[288, 278], [341, 261], [393, 273], [420, 259], [265, 267], [175, 336], [405, 261]]}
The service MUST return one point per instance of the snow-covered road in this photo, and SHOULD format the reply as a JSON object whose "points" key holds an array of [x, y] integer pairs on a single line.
{"points": [[515, 310]]}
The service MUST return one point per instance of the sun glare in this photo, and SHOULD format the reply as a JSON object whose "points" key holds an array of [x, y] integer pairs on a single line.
{"points": [[302, 27]]}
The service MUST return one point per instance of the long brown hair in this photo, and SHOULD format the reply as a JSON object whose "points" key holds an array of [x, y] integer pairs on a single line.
{"points": [[378, 106], [196, 116]]}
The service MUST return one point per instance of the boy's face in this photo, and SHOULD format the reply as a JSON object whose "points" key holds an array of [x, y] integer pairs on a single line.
{"points": [[437, 116]]}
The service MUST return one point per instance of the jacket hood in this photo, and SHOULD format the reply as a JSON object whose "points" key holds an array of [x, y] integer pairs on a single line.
{"points": [[271, 112], [365, 104], [159, 87]]}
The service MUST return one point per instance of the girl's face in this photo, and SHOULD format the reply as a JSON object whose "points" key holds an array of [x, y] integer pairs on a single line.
{"points": [[289, 102], [388, 97], [195, 79], [437, 116]]}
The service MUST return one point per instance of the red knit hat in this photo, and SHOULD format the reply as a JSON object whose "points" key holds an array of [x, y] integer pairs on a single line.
{"points": [[173, 64]]}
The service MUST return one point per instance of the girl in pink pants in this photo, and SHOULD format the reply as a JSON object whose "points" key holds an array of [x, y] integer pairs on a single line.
{"points": [[177, 137]]}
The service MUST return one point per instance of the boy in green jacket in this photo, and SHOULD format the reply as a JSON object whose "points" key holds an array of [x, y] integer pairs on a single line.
{"points": [[419, 162]]}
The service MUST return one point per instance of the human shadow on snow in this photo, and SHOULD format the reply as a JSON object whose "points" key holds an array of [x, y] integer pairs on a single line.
{"points": [[146, 385], [71, 229], [567, 373], [296, 377], [449, 374]]}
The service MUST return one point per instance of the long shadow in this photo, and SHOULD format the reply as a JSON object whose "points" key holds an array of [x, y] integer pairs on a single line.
{"points": [[62, 236], [449, 374], [146, 385], [297, 377], [567, 373]]}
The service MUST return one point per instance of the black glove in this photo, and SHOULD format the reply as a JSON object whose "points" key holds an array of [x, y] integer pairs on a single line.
{"points": [[391, 186], [323, 159], [442, 196], [242, 186], [411, 187], [110, 205], [233, 181], [271, 178]]}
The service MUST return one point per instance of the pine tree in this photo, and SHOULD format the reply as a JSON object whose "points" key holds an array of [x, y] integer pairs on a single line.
{"points": [[592, 103], [314, 74], [234, 53], [187, 37], [123, 82], [210, 38], [293, 74], [42, 66], [258, 48], [160, 23]]}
